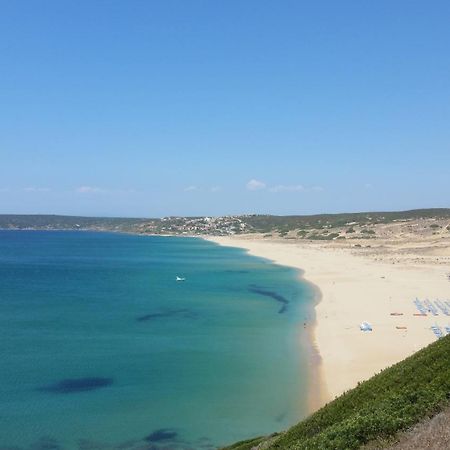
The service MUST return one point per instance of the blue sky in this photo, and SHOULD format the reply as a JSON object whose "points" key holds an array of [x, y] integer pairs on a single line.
{"points": [[152, 108]]}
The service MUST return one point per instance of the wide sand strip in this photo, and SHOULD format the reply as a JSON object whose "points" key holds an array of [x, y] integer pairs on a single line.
{"points": [[355, 289]]}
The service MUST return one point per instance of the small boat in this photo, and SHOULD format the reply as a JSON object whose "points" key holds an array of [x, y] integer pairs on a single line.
{"points": [[180, 278]]}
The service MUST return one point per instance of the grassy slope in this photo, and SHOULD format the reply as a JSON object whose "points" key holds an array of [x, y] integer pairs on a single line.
{"points": [[377, 409], [266, 223], [432, 434]]}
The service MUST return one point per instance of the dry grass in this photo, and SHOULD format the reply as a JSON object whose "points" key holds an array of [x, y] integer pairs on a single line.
{"points": [[429, 434], [432, 434]]}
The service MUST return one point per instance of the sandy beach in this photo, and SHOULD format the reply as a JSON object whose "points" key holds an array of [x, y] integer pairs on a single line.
{"points": [[359, 284]]}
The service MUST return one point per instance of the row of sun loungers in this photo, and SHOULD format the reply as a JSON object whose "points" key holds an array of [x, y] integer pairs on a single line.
{"points": [[420, 306], [426, 307], [431, 307], [442, 307], [438, 331]]}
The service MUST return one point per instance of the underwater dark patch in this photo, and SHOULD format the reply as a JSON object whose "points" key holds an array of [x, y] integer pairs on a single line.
{"points": [[278, 297], [71, 385], [46, 443], [236, 271], [163, 314], [163, 434]]}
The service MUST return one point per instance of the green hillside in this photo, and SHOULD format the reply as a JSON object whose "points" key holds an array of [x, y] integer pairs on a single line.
{"points": [[377, 409], [55, 222], [268, 223]]}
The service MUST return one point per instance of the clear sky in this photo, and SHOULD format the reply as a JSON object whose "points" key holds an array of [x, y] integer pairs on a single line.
{"points": [[151, 108]]}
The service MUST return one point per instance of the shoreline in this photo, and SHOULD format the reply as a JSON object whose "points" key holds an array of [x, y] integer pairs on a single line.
{"points": [[351, 289], [317, 389]]}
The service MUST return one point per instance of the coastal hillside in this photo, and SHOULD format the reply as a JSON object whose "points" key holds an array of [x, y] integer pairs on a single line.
{"points": [[349, 227], [376, 413]]}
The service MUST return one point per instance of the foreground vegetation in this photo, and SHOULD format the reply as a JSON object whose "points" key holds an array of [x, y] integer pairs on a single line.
{"points": [[376, 410]]}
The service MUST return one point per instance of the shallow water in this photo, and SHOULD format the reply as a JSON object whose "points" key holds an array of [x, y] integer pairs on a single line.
{"points": [[101, 348]]}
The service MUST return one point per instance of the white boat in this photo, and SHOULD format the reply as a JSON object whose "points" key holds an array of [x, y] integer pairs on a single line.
{"points": [[180, 278]]}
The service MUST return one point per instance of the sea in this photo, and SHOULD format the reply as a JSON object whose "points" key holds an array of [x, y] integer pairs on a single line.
{"points": [[101, 348]]}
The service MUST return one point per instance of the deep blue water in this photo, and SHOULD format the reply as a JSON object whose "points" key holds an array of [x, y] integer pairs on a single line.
{"points": [[101, 348]]}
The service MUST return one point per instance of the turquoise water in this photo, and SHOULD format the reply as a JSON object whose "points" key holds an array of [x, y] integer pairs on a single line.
{"points": [[101, 348]]}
